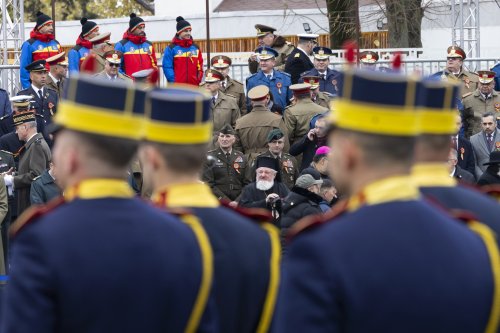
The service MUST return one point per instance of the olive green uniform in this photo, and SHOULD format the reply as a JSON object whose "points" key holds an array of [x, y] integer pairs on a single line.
{"points": [[236, 89], [322, 99], [289, 168], [283, 48], [475, 105], [468, 80], [298, 117]]}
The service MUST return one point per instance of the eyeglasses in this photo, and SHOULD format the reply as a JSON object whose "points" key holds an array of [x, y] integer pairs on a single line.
{"points": [[114, 65]]}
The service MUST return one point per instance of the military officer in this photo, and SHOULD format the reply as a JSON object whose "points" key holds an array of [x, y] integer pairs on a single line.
{"points": [[100, 45], [252, 129], [228, 85], [225, 110], [246, 261], [368, 60], [319, 97], [6, 165], [359, 289], [45, 100], [95, 140], [226, 167], [57, 74], [456, 72], [328, 78], [266, 37], [33, 161], [289, 168], [111, 66], [484, 99], [278, 82], [299, 60], [298, 117]]}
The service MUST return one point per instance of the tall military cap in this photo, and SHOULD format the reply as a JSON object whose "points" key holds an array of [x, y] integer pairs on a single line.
{"points": [[312, 80], [308, 37], [263, 30], [368, 57], [37, 66], [436, 106], [266, 52], [212, 75], [42, 19], [23, 117], [56, 59], [300, 89], [102, 107], [227, 129], [486, 77], [220, 61], [456, 52], [178, 115], [114, 57], [322, 53], [275, 134], [376, 103], [258, 93], [21, 101], [101, 38]]}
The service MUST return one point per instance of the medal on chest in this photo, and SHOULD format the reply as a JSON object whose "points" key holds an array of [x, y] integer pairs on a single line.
{"points": [[279, 85]]}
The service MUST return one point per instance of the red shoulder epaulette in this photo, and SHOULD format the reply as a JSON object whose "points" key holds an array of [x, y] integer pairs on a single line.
{"points": [[462, 215], [256, 214], [491, 190], [309, 222], [32, 213]]}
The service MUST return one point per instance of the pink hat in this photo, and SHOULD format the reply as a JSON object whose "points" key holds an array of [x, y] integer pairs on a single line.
{"points": [[323, 150]]}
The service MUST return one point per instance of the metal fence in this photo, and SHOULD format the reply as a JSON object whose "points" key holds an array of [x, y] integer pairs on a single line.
{"points": [[240, 72]]}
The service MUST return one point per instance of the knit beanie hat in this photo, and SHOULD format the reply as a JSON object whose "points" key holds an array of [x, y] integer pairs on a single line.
{"points": [[134, 21], [182, 24], [87, 26], [41, 20]]}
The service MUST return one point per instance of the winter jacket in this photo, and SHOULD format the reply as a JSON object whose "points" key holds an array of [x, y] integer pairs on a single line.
{"points": [[38, 47], [138, 53], [183, 62], [78, 54]]}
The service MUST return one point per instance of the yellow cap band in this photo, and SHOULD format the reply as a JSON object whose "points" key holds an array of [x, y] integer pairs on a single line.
{"points": [[375, 119], [437, 121], [164, 132]]}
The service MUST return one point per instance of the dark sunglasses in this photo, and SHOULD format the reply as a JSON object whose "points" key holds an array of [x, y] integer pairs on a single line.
{"points": [[114, 65]]}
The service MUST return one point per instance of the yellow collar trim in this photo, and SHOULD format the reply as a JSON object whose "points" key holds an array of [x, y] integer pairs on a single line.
{"points": [[397, 188], [431, 174], [99, 188], [186, 195]]}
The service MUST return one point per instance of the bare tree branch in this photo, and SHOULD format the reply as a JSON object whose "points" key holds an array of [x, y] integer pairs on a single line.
{"points": [[148, 5]]}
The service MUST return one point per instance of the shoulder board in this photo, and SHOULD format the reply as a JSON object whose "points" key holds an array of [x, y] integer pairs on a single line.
{"points": [[6, 116], [37, 177], [284, 73], [123, 41], [39, 115], [251, 76], [6, 152], [212, 151], [259, 215], [230, 95], [466, 95], [297, 55], [474, 73], [32, 213], [310, 222], [236, 81]]}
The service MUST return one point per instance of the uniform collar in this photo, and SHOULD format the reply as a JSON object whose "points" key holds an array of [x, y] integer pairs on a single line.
{"points": [[98, 188], [185, 195], [396, 188], [431, 175]]}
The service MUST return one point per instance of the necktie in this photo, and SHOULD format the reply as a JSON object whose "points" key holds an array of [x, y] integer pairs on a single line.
{"points": [[40, 93], [58, 84], [455, 143], [213, 100], [490, 141], [269, 76], [228, 156], [323, 76]]}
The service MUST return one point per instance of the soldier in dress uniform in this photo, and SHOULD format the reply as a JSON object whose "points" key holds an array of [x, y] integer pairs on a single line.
{"points": [[100, 45], [225, 110], [225, 168], [228, 85], [266, 37], [299, 60], [45, 100], [96, 245], [289, 168], [328, 78], [246, 253], [477, 103], [360, 288], [57, 74], [455, 71], [111, 67], [278, 82], [252, 129], [368, 60], [298, 117], [317, 96], [6, 165]]}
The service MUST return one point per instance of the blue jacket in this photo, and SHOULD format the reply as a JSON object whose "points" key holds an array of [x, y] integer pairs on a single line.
{"points": [[332, 83], [496, 69], [183, 64], [75, 57], [32, 50], [386, 266], [278, 86], [5, 106], [107, 263], [136, 57]]}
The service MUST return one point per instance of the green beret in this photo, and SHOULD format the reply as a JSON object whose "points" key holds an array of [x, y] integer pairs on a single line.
{"points": [[275, 134]]}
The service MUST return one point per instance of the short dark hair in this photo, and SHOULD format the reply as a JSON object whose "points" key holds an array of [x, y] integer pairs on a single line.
{"points": [[318, 157], [183, 159], [327, 183], [488, 114], [116, 152]]}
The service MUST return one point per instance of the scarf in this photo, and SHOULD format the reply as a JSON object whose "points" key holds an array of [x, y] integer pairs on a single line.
{"points": [[182, 42], [84, 43], [134, 38], [41, 37]]}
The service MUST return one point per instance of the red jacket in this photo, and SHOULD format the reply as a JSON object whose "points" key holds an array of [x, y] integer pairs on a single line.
{"points": [[183, 62], [138, 53]]}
